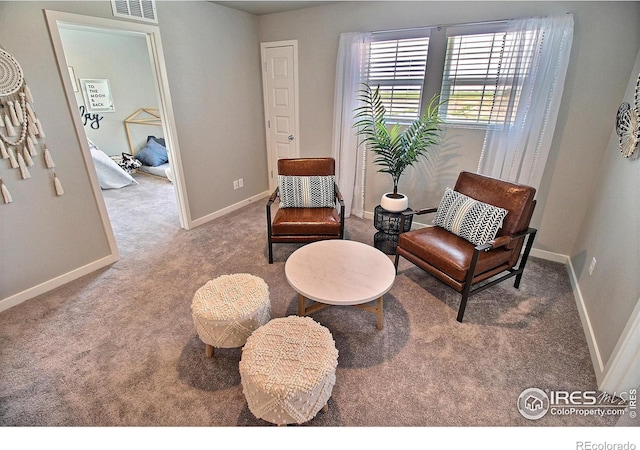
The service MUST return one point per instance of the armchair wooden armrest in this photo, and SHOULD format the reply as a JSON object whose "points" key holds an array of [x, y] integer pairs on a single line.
{"points": [[339, 196], [504, 240], [273, 197], [341, 203], [414, 212], [418, 212]]}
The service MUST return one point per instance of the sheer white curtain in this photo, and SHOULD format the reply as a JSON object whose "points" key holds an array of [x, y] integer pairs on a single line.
{"points": [[517, 149], [351, 71]]}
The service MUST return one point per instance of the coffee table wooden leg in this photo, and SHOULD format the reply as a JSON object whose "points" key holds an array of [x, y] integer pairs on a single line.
{"points": [[379, 313], [301, 305], [208, 350]]}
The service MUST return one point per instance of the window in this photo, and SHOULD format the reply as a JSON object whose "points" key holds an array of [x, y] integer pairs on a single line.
{"points": [[398, 66], [477, 79], [475, 76]]}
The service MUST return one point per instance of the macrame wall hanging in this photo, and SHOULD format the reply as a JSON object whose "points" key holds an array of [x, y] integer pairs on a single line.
{"points": [[21, 133]]}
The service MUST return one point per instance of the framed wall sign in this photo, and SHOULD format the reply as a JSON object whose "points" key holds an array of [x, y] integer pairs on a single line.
{"points": [[97, 95]]}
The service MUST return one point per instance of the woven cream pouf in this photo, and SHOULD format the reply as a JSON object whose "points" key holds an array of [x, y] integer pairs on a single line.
{"points": [[227, 309], [288, 369]]}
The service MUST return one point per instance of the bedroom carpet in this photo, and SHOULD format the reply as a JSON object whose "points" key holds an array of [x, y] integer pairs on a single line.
{"points": [[118, 347]]}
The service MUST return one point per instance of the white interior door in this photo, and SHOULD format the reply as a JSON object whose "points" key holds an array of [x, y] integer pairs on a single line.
{"points": [[280, 88]]}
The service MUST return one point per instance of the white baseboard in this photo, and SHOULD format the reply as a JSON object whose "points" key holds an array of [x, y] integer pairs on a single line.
{"points": [[592, 343], [549, 256], [58, 281], [621, 372], [228, 209]]}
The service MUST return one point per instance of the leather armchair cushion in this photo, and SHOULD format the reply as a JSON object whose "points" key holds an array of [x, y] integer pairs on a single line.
{"points": [[306, 221], [515, 198], [307, 166], [449, 253]]}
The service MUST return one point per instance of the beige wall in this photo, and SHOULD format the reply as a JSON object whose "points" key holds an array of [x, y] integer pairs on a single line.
{"points": [[610, 234], [43, 236], [212, 55], [597, 76], [123, 59]]}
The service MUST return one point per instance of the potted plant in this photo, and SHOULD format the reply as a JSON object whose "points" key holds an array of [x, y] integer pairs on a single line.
{"points": [[396, 147]]}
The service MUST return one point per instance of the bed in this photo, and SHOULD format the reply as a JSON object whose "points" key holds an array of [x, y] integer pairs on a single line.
{"points": [[153, 156]]}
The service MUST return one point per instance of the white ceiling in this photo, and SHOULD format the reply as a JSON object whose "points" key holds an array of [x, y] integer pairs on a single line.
{"points": [[269, 7]]}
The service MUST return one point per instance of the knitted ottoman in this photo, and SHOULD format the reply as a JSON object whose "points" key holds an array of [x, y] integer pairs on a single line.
{"points": [[227, 309], [288, 369]]}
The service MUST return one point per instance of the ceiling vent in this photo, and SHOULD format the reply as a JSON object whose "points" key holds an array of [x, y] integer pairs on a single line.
{"points": [[144, 10]]}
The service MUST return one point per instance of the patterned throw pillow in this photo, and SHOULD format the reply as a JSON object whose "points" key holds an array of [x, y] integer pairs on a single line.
{"points": [[470, 219], [130, 163], [307, 192]]}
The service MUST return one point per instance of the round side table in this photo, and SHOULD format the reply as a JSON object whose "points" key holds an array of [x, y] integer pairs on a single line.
{"points": [[388, 225]]}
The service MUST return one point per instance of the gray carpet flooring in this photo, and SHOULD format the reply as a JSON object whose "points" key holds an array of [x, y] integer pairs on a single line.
{"points": [[118, 347]]}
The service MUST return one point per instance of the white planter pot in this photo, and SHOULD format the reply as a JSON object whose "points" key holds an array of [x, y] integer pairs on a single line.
{"points": [[394, 204]]}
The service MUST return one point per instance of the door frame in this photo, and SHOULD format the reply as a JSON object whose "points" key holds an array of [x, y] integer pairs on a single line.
{"points": [[271, 163], [156, 57]]}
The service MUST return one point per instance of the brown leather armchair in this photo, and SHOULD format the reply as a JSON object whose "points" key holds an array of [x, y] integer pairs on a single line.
{"points": [[305, 224], [462, 265]]}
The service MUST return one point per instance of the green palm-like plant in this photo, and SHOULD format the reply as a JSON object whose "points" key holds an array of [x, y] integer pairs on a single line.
{"points": [[395, 148]]}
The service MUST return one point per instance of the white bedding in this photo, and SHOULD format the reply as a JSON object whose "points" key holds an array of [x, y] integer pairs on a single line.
{"points": [[163, 170], [110, 174]]}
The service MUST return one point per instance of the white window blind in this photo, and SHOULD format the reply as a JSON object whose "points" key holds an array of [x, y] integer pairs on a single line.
{"points": [[477, 83], [398, 67]]}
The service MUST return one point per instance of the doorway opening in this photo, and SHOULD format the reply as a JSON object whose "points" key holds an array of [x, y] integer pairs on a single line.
{"points": [[156, 91]]}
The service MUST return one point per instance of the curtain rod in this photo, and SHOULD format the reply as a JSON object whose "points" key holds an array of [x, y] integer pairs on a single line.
{"points": [[443, 25]]}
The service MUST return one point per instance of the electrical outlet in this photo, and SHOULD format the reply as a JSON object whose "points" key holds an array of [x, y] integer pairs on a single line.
{"points": [[592, 266], [235, 185], [240, 183]]}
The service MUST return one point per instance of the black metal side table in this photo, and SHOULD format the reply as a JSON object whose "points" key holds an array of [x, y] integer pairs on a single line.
{"points": [[388, 225]]}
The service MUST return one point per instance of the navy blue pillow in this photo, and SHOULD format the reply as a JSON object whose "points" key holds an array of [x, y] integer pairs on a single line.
{"points": [[153, 154], [158, 140]]}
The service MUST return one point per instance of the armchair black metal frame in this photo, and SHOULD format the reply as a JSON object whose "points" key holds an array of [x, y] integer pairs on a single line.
{"points": [[321, 222], [463, 266], [469, 287]]}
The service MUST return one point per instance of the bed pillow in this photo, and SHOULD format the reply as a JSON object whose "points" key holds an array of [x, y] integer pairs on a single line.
{"points": [[129, 163], [153, 154], [158, 140], [475, 221], [306, 192]]}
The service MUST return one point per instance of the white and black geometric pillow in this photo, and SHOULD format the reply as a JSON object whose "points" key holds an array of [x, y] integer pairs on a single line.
{"points": [[129, 163], [306, 192], [470, 219]]}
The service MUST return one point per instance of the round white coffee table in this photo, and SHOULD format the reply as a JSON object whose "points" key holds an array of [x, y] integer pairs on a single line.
{"points": [[340, 272]]}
